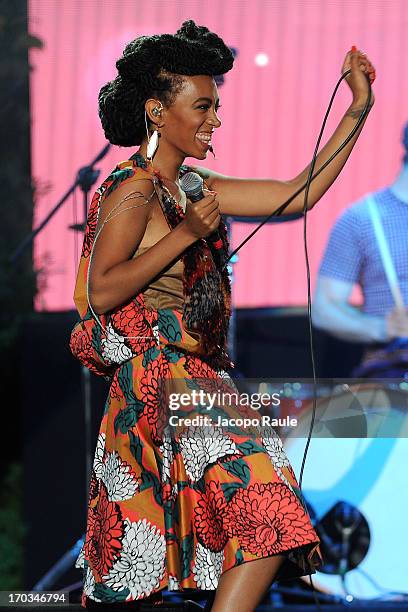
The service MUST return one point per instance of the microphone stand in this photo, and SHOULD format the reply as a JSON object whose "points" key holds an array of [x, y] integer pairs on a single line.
{"points": [[86, 177], [86, 170]]}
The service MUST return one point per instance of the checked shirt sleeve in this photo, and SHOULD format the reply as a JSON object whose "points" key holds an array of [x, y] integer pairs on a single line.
{"points": [[343, 256]]}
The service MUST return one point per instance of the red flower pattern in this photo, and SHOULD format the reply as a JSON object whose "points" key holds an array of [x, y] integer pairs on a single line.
{"points": [[104, 534], [198, 368], [268, 518], [207, 378], [93, 487], [132, 322], [154, 396], [115, 391], [80, 345], [91, 225], [209, 517], [82, 348]]}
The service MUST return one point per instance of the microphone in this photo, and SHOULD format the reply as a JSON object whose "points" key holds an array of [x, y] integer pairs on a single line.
{"points": [[192, 184]]}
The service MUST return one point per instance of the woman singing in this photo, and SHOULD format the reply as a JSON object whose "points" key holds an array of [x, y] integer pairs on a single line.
{"points": [[220, 512]]}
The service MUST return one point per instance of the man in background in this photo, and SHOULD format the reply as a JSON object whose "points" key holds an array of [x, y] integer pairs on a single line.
{"points": [[353, 257]]}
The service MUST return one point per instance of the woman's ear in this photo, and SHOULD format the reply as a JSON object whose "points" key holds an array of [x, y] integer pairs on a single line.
{"points": [[154, 111]]}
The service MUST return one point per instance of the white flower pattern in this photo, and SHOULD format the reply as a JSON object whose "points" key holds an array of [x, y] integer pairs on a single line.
{"points": [[173, 584], [201, 446], [99, 465], [156, 334], [274, 447], [120, 483], [114, 349], [166, 450], [141, 564], [80, 562], [89, 584], [207, 568]]}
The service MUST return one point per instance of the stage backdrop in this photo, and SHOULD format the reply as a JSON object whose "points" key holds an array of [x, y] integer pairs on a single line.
{"points": [[289, 57]]}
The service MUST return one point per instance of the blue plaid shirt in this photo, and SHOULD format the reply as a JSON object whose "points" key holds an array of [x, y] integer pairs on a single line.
{"points": [[352, 253]]}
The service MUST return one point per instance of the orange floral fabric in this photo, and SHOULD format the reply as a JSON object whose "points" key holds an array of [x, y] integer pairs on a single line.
{"points": [[174, 508]]}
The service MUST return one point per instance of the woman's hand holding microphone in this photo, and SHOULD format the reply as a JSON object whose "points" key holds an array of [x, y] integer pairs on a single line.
{"points": [[203, 217]]}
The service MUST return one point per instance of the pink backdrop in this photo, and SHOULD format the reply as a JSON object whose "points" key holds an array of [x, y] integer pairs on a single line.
{"points": [[271, 116]]}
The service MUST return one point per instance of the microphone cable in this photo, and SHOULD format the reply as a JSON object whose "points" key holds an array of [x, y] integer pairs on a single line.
{"points": [[278, 212]]}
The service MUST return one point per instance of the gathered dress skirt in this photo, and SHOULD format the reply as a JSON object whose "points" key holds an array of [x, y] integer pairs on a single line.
{"points": [[175, 508]]}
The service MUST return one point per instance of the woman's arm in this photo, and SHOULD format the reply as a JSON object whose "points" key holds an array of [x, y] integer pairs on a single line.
{"points": [[115, 276], [252, 197]]}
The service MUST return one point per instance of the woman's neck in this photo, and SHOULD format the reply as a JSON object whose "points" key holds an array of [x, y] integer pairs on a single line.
{"points": [[165, 163]]}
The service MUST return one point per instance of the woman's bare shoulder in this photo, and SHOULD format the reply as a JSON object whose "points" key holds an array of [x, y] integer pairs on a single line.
{"points": [[132, 194]]}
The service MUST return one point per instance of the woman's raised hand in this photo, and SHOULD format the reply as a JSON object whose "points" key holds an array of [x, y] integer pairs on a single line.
{"points": [[202, 217], [360, 65]]}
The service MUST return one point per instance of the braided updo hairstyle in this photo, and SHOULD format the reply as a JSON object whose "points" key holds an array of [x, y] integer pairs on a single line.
{"points": [[153, 67]]}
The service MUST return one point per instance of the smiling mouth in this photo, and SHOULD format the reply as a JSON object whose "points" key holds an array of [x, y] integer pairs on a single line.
{"points": [[204, 138]]}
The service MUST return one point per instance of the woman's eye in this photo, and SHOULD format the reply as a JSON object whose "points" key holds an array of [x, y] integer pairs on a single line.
{"points": [[207, 106]]}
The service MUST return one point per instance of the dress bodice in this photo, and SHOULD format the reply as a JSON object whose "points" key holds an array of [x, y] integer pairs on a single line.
{"points": [[166, 290]]}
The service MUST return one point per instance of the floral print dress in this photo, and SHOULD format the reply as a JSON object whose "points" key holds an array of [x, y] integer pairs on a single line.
{"points": [[174, 510]]}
